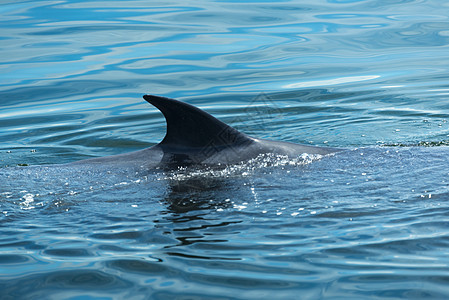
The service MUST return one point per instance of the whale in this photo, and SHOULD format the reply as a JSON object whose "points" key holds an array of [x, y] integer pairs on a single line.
{"points": [[194, 137]]}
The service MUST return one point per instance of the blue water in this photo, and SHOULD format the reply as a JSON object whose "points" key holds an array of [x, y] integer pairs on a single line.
{"points": [[371, 77]]}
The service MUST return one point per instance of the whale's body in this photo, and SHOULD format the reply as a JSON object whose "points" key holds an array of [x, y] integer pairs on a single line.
{"points": [[194, 137]]}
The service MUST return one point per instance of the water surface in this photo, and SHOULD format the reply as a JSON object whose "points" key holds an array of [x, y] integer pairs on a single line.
{"points": [[367, 76]]}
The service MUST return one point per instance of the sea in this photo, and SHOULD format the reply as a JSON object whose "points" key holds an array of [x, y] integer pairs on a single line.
{"points": [[370, 222]]}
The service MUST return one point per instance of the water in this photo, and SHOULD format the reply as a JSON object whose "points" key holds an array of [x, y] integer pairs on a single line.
{"points": [[367, 76]]}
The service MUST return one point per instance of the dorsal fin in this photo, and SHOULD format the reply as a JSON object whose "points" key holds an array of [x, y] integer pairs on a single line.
{"points": [[190, 127]]}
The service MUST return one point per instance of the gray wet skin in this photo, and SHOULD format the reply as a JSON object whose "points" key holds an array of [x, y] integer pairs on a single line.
{"points": [[194, 137]]}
